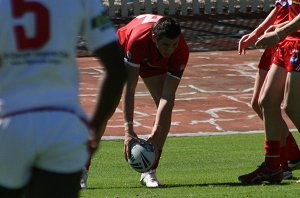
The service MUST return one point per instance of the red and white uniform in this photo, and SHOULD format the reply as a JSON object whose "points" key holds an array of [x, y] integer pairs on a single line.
{"points": [[39, 84], [289, 53], [282, 16], [140, 50]]}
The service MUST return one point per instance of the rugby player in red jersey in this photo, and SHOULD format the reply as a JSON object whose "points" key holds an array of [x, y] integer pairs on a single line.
{"points": [[155, 50]]}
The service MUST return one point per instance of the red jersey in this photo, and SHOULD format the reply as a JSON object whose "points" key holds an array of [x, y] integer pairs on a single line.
{"points": [[266, 59], [282, 11], [294, 10], [140, 50]]}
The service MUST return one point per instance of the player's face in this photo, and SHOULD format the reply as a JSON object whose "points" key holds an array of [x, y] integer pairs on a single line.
{"points": [[166, 46]]}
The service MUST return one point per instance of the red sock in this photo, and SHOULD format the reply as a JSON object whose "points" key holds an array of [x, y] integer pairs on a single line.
{"points": [[272, 155], [157, 159], [284, 162], [293, 152]]}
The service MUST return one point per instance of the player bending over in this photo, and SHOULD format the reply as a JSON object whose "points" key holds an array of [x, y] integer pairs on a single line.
{"points": [[156, 51]]}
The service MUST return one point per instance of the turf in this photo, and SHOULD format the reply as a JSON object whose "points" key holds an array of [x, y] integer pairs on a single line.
{"points": [[205, 166]]}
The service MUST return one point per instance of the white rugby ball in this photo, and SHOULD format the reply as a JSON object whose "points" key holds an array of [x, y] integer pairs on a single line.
{"points": [[143, 157]]}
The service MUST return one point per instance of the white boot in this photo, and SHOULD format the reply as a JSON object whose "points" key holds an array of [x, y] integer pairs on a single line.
{"points": [[84, 177], [149, 180]]}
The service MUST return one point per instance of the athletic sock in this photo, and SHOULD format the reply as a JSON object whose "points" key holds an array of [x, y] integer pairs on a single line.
{"points": [[293, 152], [272, 154]]}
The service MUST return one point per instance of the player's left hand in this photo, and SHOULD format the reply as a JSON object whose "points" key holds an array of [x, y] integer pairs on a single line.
{"points": [[129, 140], [151, 141]]}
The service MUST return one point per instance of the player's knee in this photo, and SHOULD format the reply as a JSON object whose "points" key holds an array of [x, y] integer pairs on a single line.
{"points": [[255, 106], [170, 104], [268, 104]]}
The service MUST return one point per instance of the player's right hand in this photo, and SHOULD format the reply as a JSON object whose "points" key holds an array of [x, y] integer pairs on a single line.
{"points": [[130, 138], [245, 41]]}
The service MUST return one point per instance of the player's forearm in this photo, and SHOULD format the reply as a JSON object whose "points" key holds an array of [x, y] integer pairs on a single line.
{"points": [[164, 114], [289, 28], [166, 103], [162, 124], [128, 110], [128, 105], [269, 20], [128, 98]]}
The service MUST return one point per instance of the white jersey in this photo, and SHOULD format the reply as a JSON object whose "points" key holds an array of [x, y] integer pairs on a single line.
{"points": [[38, 66]]}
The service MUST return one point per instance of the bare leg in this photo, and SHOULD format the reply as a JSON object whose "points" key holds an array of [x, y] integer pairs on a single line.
{"points": [[259, 80], [292, 98], [270, 100]]}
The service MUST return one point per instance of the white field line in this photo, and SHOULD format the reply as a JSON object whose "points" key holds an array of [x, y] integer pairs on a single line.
{"points": [[193, 134]]}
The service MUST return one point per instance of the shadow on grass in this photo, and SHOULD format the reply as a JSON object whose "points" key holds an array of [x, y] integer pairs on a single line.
{"points": [[225, 184], [228, 184]]}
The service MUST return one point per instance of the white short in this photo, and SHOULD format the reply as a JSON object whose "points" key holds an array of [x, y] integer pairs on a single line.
{"points": [[50, 140]]}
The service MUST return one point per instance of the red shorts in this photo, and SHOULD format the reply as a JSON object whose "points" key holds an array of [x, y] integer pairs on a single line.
{"points": [[146, 71], [267, 58], [288, 55]]}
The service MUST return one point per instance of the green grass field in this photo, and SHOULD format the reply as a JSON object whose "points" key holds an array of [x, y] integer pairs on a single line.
{"points": [[206, 166]]}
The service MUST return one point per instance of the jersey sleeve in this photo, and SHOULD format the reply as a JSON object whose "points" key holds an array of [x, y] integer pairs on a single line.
{"points": [[179, 59], [135, 51], [98, 28]]}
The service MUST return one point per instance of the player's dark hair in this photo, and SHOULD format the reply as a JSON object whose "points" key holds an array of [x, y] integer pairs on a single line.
{"points": [[166, 27]]}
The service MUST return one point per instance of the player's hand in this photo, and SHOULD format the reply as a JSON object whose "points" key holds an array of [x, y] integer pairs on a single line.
{"points": [[245, 41], [151, 141], [243, 44], [130, 138]]}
